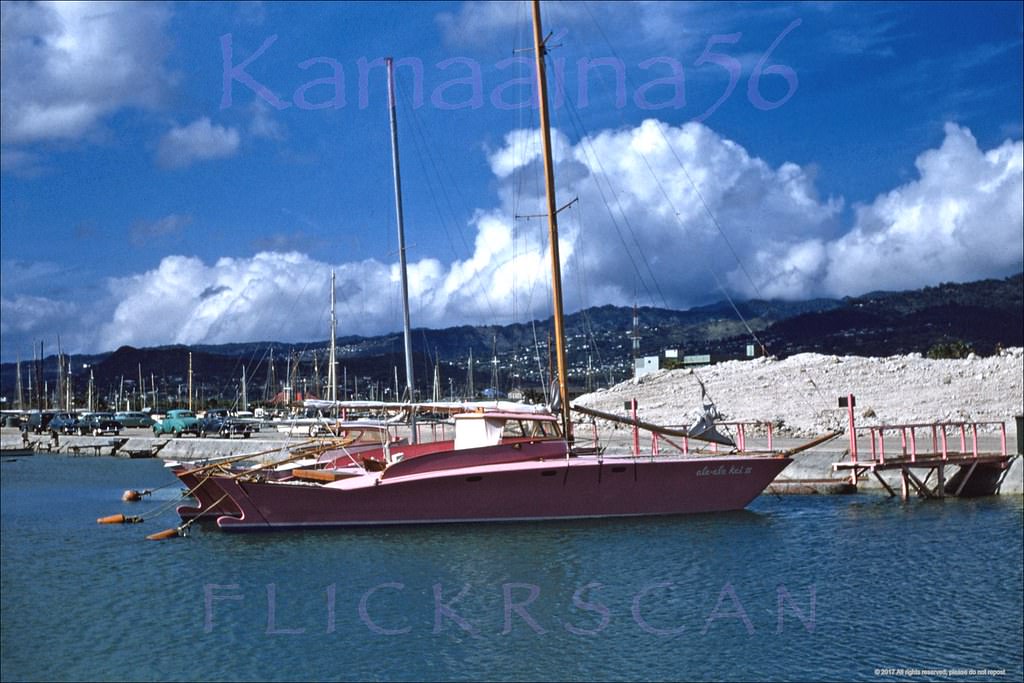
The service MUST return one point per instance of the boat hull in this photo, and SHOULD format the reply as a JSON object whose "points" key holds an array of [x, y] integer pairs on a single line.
{"points": [[211, 498], [572, 488]]}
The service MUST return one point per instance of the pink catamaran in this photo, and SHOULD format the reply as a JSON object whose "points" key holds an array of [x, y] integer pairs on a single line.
{"points": [[501, 465]]}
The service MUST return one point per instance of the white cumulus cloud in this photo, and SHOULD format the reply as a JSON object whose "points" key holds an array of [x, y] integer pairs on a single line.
{"points": [[198, 141], [66, 65], [961, 220]]}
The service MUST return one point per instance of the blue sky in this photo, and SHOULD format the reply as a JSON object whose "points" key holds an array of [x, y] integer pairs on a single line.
{"points": [[158, 189]]}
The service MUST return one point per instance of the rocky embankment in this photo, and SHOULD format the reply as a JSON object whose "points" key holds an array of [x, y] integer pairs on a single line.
{"points": [[799, 395]]}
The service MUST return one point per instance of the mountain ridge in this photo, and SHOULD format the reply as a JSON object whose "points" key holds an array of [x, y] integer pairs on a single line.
{"points": [[980, 316]]}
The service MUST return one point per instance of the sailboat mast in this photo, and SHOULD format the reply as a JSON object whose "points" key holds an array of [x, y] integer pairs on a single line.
{"points": [[332, 373], [401, 247], [18, 390], [549, 180]]}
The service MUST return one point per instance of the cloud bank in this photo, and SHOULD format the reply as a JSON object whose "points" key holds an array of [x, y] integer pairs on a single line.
{"points": [[960, 221], [628, 236]]}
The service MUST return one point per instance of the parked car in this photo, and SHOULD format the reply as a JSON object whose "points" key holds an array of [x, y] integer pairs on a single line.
{"points": [[38, 421], [134, 419], [63, 423], [97, 424], [218, 422], [177, 422]]}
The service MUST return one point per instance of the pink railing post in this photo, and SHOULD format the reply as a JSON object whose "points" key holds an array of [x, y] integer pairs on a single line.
{"points": [[945, 452], [963, 438], [636, 430], [1002, 439], [881, 445], [654, 443], [913, 445], [770, 442], [903, 440], [853, 431], [974, 438]]}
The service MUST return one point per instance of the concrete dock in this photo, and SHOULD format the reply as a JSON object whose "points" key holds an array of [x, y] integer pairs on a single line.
{"points": [[811, 471]]}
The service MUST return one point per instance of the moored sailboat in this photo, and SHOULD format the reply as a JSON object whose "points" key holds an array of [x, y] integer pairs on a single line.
{"points": [[491, 472]]}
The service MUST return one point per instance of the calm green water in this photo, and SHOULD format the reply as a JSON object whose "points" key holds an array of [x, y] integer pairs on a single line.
{"points": [[864, 584]]}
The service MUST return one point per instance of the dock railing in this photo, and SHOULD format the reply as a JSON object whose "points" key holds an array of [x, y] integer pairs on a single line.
{"points": [[909, 435]]}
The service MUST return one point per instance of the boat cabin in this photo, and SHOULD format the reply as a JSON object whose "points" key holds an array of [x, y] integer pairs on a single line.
{"points": [[475, 430]]}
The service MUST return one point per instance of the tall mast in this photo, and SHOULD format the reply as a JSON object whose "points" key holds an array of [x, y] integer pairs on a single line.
{"points": [[40, 382], [549, 180], [60, 402], [332, 373], [245, 396], [401, 247], [18, 390]]}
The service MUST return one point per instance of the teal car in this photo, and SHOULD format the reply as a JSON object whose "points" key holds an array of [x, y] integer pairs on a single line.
{"points": [[176, 423]]}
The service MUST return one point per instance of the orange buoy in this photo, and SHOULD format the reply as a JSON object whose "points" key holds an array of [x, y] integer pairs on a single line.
{"points": [[119, 519], [131, 496], [161, 535], [112, 519]]}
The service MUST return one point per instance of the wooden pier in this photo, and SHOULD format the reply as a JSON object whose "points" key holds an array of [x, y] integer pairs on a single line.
{"points": [[926, 451]]}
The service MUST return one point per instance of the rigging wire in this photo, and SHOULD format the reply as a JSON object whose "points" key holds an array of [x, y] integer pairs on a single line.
{"points": [[707, 210], [436, 185]]}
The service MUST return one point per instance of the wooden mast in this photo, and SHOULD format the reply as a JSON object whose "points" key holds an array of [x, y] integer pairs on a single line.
{"points": [[549, 178]]}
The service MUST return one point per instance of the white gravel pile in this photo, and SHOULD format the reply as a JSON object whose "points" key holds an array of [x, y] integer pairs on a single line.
{"points": [[799, 395]]}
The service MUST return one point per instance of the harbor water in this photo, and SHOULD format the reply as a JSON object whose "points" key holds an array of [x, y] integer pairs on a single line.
{"points": [[858, 587]]}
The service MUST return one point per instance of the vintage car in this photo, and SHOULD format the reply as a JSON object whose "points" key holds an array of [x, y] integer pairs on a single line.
{"points": [[38, 421], [134, 419], [218, 422], [63, 423], [97, 424], [177, 422]]}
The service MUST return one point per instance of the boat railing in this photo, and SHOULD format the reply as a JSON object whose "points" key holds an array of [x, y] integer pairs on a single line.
{"points": [[740, 430], [439, 430], [916, 438]]}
